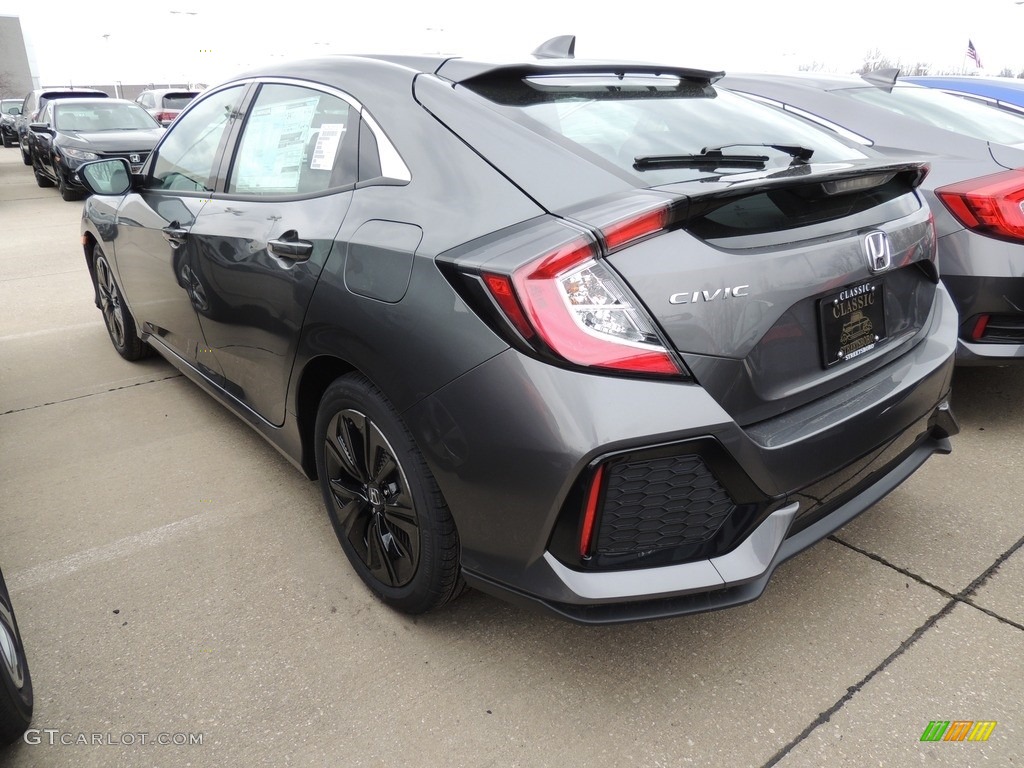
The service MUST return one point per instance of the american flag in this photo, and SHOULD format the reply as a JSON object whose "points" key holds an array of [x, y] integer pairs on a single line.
{"points": [[972, 53]]}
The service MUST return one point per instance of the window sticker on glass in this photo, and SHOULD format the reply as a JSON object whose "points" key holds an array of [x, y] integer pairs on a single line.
{"points": [[326, 148], [273, 146]]}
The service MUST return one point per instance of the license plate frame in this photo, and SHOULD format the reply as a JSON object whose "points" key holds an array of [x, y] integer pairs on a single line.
{"points": [[851, 322]]}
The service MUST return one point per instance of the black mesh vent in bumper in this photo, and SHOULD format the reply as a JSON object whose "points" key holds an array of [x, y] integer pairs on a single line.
{"points": [[660, 503], [1006, 329]]}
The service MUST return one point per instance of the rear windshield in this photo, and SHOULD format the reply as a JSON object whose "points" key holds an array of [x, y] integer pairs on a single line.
{"points": [[177, 100], [653, 116], [51, 95], [944, 110]]}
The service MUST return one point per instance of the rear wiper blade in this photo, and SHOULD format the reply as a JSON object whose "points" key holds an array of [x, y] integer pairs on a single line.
{"points": [[706, 159], [793, 150], [714, 157]]}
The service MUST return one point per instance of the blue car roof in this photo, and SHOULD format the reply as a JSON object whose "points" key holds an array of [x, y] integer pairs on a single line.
{"points": [[1003, 89]]}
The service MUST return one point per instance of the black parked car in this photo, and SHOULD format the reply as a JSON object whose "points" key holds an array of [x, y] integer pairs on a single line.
{"points": [[74, 131], [9, 109], [34, 104], [16, 699], [975, 187], [590, 335]]}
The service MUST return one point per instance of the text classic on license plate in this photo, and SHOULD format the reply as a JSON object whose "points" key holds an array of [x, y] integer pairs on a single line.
{"points": [[852, 322]]}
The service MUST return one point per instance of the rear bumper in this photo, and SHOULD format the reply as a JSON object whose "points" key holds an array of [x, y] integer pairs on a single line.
{"points": [[723, 582], [511, 466], [991, 318], [985, 277]]}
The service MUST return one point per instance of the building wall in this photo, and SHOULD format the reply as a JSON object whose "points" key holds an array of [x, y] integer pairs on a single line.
{"points": [[15, 75]]}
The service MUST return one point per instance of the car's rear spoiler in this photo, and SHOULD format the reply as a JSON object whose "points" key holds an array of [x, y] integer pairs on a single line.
{"points": [[464, 70], [830, 176]]}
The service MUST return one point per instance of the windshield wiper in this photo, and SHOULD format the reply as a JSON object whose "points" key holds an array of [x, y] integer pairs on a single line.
{"points": [[714, 157], [793, 150]]}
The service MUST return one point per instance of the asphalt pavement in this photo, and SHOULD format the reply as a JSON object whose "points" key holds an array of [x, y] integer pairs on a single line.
{"points": [[184, 601]]}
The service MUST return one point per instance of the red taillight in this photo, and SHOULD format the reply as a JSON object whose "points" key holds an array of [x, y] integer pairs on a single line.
{"points": [[629, 230], [577, 306], [990, 205], [166, 117], [590, 512]]}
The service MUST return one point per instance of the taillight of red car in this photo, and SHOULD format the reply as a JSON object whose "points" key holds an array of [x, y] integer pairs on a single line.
{"points": [[574, 303], [990, 205]]}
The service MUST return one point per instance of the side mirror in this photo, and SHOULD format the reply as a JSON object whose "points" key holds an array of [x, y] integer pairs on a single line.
{"points": [[40, 128], [106, 177], [14, 111]]}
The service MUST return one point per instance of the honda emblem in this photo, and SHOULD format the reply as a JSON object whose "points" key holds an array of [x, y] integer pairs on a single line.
{"points": [[876, 246]]}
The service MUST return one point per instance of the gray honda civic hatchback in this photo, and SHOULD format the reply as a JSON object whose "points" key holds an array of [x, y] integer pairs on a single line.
{"points": [[593, 336]]}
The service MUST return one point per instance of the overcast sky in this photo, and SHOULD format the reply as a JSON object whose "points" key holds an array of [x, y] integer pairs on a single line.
{"points": [[185, 41]]}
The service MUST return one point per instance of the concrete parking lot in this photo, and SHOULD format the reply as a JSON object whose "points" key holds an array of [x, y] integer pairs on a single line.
{"points": [[177, 580]]}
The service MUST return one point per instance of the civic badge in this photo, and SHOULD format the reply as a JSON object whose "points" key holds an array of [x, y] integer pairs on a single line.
{"points": [[876, 246], [135, 158]]}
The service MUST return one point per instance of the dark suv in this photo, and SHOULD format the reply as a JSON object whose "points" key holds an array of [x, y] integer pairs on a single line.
{"points": [[34, 103], [591, 335]]}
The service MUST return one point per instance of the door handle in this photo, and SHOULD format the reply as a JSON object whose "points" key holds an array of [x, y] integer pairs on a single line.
{"points": [[288, 246], [175, 234]]}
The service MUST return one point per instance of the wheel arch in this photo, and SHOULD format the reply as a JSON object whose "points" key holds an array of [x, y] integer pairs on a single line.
{"points": [[317, 375], [89, 243]]}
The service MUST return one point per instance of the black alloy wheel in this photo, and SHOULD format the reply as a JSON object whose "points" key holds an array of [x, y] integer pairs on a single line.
{"points": [[15, 681], [383, 502], [117, 318]]}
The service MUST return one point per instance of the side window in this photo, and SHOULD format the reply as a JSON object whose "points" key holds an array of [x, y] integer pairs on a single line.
{"points": [[296, 141], [186, 158], [369, 154], [146, 100]]}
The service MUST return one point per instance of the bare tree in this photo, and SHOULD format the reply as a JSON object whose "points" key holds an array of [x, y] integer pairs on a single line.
{"points": [[875, 59], [814, 66], [1006, 72]]}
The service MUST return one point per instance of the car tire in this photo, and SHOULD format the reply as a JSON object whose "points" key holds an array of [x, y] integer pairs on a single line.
{"points": [[8, 141], [26, 157], [384, 503], [66, 193], [116, 315], [15, 681], [41, 179]]}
